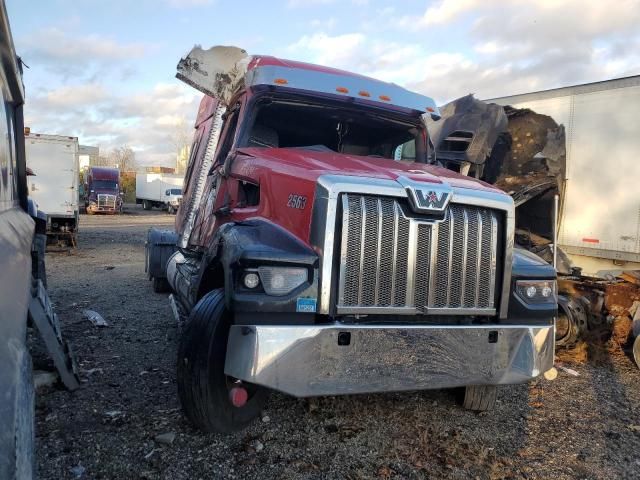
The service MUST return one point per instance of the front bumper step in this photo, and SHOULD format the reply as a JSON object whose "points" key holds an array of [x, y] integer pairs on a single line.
{"points": [[339, 359]]}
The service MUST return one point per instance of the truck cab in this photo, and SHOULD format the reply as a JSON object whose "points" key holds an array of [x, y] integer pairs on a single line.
{"points": [[102, 190], [320, 252], [172, 198]]}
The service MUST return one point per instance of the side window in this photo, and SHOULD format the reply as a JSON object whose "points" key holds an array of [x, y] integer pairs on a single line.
{"points": [[228, 135], [406, 152]]}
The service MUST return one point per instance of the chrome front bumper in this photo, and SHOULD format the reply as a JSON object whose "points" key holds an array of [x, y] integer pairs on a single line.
{"points": [[306, 361]]}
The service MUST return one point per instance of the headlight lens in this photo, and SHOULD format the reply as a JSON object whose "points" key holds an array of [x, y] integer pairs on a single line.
{"points": [[280, 281], [536, 292]]}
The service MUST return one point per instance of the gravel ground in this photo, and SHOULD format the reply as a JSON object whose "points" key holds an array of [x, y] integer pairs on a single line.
{"points": [[574, 427]]}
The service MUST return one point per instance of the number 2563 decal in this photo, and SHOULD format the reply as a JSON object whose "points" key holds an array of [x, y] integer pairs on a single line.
{"points": [[297, 201]]}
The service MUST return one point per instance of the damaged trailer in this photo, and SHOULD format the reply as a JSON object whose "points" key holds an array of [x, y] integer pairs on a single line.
{"points": [[578, 144]]}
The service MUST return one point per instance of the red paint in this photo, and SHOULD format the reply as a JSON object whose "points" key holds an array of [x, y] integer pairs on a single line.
{"points": [[280, 172]]}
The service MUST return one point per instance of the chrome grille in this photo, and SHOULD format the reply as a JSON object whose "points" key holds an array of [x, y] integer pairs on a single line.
{"points": [[106, 200], [391, 263]]}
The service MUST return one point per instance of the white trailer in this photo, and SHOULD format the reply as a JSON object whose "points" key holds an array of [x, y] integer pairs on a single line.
{"points": [[159, 190], [53, 159], [599, 223]]}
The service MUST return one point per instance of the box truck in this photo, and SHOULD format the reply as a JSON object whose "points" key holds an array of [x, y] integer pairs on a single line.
{"points": [[53, 160], [160, 190]]}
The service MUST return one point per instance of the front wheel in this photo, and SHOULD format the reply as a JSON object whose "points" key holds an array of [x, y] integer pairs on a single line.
{"points": [[480, 398], [211, 400]]}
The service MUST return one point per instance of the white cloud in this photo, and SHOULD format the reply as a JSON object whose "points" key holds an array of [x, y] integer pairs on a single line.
{"points": [[149, 121], [70, 55]]}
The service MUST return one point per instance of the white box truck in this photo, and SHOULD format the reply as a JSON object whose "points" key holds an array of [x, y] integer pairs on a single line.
{"points": [[53, 160], [599, 224], [160, 190]]}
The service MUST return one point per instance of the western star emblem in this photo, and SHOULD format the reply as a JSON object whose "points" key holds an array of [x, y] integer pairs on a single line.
{"points": [[425, 197]]}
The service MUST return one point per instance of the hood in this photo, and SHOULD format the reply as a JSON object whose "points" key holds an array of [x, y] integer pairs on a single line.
{"points": [[310, 164]]}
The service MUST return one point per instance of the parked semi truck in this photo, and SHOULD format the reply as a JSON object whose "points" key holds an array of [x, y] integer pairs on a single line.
{"points": [[53, 159], [102, 190], [160, 190], [312, 257]]}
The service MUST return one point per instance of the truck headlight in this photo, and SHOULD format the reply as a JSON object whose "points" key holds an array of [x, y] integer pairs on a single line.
{"points": [[280, 281], [537, 292]]}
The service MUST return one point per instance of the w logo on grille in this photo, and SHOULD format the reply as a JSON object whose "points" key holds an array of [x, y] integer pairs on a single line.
{"points": [[431, 200]]}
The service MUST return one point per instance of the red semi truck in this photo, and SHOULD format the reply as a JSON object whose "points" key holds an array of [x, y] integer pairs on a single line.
{"points": [[102, 190], [318, 250]]}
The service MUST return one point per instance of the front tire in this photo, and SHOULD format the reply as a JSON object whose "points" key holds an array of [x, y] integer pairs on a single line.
{"points": [[203, 387], [480, 398]]}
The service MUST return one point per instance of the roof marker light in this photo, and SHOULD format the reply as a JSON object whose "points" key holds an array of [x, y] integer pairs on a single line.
{"points": [[385, 98], [342, 90], [430, 109], [364, 93], [281, 81]]}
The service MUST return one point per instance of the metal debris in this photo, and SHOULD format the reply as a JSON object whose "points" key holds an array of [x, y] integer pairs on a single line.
{"points": [[95, 318]]}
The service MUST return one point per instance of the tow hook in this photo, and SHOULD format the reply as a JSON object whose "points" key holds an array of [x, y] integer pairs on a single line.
{"points": [[238, 396]]}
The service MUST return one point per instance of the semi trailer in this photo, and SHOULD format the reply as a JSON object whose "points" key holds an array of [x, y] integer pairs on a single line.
{"points": [[53, 184], [318, 252], [571, 174]]}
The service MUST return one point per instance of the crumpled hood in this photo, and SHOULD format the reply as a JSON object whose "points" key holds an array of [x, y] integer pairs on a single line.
{"points": [[311, 164]]}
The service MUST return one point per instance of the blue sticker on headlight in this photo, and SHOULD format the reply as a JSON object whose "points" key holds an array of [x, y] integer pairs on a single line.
{"points": [[306, 305]]}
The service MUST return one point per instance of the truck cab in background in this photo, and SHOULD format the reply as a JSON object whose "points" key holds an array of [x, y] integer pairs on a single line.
{"points": [[102, 190]]}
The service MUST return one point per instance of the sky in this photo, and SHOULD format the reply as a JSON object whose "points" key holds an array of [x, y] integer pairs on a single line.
{"points": [[104, 70]]}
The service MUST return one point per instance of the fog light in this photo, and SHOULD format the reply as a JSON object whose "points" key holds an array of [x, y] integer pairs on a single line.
{"points": [[251, 280]]}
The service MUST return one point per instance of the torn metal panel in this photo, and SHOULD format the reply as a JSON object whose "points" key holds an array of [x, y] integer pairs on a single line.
{"points": [[217, 72], [466, 132]]}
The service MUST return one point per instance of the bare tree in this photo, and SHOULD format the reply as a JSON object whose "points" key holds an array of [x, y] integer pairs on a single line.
{"points": [[123, 157]]}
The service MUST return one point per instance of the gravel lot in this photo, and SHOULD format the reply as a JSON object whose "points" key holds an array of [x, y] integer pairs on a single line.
{"points": [[574, 427]]}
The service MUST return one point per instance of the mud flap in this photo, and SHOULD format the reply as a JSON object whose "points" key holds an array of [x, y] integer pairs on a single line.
{"points": [[46, 321]]}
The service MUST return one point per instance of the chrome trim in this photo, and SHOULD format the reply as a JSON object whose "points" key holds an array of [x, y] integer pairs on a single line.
{"points": [[327, 82], [435, 231], [396, 219], [465, 246], [335, 185], [451, 236], [410, 310], [479, 256], [411, 263], [307, 360], [378, 253], [362, 235], [494, 236]]}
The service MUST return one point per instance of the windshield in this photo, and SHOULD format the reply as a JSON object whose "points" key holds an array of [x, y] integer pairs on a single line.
{"points": [[174, 191], [334, 128], [104, 185]]}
